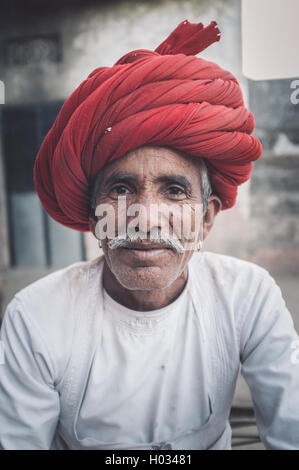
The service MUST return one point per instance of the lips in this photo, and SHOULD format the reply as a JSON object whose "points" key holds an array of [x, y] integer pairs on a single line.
{"points": [[146, 246], [148, 253]]}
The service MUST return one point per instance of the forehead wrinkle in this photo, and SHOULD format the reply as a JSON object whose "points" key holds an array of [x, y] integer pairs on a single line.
{"points": [[151, 173]]}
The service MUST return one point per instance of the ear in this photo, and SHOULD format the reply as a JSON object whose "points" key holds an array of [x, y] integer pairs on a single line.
{"points": [[214, 206]]}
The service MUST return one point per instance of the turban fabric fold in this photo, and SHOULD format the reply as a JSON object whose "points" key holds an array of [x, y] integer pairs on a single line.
{"points": [[167, 97]]}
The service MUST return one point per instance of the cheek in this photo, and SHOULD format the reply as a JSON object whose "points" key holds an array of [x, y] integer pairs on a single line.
{"points": [[113, 213], [92, 223], [189, 221], [175, 218], [104, 220]]}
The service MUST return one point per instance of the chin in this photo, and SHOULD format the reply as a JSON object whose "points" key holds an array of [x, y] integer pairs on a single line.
{"points": [[144, 278]]}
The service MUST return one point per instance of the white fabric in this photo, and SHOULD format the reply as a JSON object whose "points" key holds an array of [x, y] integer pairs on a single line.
{"points": [[161, 378], [149, 383]]}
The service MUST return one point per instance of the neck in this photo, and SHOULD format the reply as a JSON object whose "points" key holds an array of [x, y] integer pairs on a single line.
{"points": [[143, 300]]}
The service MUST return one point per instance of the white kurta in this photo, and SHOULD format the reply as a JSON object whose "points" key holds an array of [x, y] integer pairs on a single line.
{"points": [[149, 382], [82, 371]]}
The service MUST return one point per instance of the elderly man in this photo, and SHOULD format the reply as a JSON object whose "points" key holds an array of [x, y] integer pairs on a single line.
{"points": [[141, 347]]}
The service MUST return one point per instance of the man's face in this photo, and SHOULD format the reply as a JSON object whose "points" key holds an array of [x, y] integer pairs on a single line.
{"points": [[150, 176]]}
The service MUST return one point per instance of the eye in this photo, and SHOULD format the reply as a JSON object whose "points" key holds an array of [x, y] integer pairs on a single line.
{"points": [[119, 189], [176, 191]]}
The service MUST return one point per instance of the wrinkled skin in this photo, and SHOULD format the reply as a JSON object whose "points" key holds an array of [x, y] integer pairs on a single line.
{"points": [[150, 282]]}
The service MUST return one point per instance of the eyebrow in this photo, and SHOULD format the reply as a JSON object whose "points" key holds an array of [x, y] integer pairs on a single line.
{"points": [[119, 178], [166, 178], [178, 179]]}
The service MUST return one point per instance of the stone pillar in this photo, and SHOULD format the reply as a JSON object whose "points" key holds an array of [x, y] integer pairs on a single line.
{"points": [[274, 184], [4, 245]]}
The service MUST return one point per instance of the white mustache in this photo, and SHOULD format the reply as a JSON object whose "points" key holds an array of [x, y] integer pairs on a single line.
{"points": [[166, 240]]}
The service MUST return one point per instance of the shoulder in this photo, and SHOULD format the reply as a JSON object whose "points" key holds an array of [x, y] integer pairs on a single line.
{"points": [[224, 270], [48, 307], [231, 285], [58, 289]]}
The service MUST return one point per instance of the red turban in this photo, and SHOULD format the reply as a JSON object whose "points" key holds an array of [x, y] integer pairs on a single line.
{"points": [[167, 97]]}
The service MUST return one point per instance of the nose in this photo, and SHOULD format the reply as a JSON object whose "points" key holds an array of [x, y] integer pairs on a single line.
{"points": [[146, 209]]}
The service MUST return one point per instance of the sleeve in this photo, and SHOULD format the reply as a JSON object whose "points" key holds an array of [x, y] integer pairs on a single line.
{"points": [[270, 366], [29, 403]]}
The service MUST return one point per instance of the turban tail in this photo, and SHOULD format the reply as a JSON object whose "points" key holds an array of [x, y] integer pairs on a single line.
{"points": [[167, 97]]}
